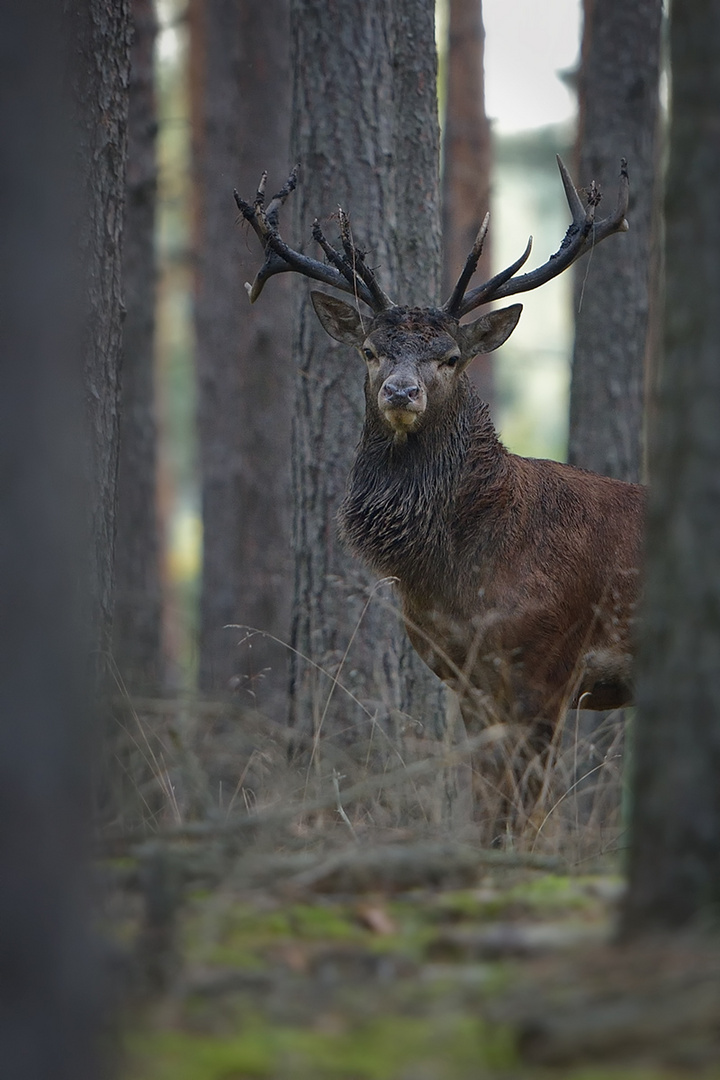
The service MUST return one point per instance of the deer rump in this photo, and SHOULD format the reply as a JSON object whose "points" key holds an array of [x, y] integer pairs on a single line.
{"points": [[518, 577]]}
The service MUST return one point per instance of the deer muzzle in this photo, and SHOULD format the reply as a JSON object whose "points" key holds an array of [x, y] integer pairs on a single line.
{"points": [[402, 402]]}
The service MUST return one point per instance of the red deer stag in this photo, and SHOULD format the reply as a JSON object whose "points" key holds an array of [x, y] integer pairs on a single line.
{"points": [[518, 577]]}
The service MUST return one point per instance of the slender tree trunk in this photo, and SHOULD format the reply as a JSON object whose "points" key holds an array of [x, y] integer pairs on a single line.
{"points": [[616, 285], [674, 849], [467, 158], [241, 127], [365, 132], [619, 102], [102, 33], [137, 617], [100, 30]]}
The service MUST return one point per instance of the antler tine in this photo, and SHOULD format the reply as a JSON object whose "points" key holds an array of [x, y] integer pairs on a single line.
{"points": [[582, 234], [469, 269], [352, 265], [356, 258], [279, 258], [273, 211]]}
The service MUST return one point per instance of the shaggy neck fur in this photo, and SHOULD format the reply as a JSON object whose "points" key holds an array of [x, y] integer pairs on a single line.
{"points": [[408, 510]]}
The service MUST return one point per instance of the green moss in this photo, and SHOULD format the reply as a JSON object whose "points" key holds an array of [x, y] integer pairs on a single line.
{"points": [[536, 894], [553, 893], [324, 922], [241, 936], [451, 1047]]}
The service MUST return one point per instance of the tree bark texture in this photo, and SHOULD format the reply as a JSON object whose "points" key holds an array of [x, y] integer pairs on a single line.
{"points": [[241, 103], [138, 612], [48, 985], [101, 30], [366, 135], [618, 89], [467, 159], [674, 849], [615, 287]]}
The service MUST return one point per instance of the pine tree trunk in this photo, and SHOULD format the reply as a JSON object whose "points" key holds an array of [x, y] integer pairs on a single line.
{"points": [[619, 102], [137, 616], [241, 127], [102, 30], [467, 159], [674, 849], [615, 294], [365, 132]]}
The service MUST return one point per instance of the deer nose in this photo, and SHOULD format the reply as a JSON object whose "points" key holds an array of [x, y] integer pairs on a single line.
{"points": [[398, 395]]}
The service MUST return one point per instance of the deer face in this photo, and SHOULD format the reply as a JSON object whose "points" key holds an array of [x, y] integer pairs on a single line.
{"points": [[414, 356]]}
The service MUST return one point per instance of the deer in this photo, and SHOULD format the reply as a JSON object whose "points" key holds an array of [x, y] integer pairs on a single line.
{"points": [[518, 578]]}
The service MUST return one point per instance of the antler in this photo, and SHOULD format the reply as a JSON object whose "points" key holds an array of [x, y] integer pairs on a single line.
{"points": [[582, 234], [347, 272]]}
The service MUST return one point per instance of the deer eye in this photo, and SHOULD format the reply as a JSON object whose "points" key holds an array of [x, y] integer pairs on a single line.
{"points": [[368, 354], [451, 361]]}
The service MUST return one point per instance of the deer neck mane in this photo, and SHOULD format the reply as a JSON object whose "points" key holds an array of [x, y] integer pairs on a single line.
{"points": [[399, 514]]}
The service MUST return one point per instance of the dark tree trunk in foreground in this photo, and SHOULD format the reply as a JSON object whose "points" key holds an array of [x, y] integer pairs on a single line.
{"points": [[137, 615], [241, 100], [467, 159], [48, 1019], [618, 87], [365, 131], [674, 849]]}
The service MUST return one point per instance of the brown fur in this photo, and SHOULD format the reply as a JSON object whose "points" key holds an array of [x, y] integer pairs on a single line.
{"points": [[518, 577]]}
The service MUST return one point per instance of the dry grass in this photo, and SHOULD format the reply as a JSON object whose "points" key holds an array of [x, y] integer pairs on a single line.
{"points": [[193, 764]]}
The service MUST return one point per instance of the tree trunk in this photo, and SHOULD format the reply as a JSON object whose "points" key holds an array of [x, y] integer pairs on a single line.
{"points": [[102, 33], [53, 176], [365, 131], [674, 849], [467, 159], [616, 285], [241, 127], [618, 87], [138, 612]]}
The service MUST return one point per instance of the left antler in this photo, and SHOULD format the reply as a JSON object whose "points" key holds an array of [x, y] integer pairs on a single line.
{"points": [[346, 271], [582, 234]]}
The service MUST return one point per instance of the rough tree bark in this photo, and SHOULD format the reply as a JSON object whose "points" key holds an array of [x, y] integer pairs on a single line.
{"points": [[619, 103], [137, 615], [240, 67], [674, 850], [615, 292], [365, 132], [102, 35], [467, 158]]}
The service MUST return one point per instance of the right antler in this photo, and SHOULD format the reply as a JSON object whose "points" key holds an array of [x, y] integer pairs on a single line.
{"points": [[347, 272], [582, 234]]}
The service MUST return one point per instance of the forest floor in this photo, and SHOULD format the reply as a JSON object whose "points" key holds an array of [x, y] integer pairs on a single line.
{"points": [[266, 923], [398, 961]]}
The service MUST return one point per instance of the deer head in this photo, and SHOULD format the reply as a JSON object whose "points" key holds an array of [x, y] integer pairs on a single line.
{"points": [[415, 356]]}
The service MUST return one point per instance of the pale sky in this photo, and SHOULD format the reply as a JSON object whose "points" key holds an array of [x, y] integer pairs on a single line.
{"points": [[526, 43]]}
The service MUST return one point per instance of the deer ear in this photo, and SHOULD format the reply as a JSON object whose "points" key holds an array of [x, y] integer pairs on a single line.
{"points": [[340, 320], [488, 332]]}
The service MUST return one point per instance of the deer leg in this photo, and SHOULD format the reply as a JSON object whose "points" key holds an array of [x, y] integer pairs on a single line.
{"points": [[512, 755]]}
